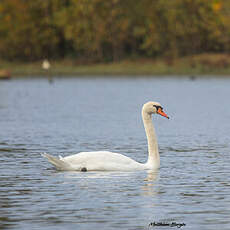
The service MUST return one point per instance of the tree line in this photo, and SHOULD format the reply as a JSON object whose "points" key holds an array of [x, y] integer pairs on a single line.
{"points": [[111, 30]]}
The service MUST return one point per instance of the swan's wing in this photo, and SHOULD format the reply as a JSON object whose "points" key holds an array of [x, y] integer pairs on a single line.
{"points": [[98, 156], [102, 160]]}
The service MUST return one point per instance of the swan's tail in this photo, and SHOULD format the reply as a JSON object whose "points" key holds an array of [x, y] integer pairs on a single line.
{"points": [[58, 163]]}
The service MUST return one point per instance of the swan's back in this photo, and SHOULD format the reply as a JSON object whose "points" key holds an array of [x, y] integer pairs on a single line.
{"points": [[95, 161], [102, 161]]}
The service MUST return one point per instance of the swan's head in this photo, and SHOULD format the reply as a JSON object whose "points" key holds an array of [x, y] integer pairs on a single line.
{"points": [[152, 107]]}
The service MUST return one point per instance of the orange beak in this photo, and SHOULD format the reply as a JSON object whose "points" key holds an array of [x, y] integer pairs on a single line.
{"points": [[160, 111]]}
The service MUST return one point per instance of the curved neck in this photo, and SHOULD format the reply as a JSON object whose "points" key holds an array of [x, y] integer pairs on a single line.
{"points": [[153, 158]]}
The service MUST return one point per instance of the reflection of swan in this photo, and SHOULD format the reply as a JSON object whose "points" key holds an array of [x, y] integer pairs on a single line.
{"points": [[150, 188], [108, 161]]}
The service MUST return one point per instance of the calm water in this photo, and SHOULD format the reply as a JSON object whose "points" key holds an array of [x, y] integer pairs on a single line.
{"points": [[72, 115]]}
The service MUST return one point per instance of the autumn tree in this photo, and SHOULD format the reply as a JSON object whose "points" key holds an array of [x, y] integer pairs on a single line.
{"points": [[101, 30]]}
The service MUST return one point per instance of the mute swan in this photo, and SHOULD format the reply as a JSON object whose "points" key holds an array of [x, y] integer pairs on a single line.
{"points": [[109, 161]]}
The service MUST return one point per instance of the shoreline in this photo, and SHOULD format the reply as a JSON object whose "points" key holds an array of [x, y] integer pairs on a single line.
{"points": [[204, 65]]}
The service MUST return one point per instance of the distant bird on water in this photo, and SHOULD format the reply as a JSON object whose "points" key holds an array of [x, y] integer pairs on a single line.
{"points": [[45, 64]]}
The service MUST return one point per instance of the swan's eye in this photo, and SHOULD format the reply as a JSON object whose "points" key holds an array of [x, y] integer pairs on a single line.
{"points": [[158, 107]]}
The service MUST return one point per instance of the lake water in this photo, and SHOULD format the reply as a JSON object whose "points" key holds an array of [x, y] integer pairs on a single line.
{"points": [[71, 115]]}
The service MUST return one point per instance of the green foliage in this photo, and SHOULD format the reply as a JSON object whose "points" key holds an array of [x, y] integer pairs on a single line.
{"points": [[102, 30]]}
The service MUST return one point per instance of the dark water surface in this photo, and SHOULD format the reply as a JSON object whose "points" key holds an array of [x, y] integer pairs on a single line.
{"points": [[73, 115]]}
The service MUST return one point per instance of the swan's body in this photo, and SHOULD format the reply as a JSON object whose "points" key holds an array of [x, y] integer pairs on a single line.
{"points": [[109, 161]]}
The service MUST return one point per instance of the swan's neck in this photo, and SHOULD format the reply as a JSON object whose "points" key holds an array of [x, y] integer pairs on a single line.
{"points": [[153, 158]]}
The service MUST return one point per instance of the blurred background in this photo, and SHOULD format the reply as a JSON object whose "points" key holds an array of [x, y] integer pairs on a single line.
{"points": [[179, 36]]}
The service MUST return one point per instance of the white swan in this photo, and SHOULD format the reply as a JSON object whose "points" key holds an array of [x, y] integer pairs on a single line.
{"points": [[109, 161]]}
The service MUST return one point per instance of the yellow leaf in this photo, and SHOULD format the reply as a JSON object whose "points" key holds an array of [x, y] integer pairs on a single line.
{"points": [[216, 6]]}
